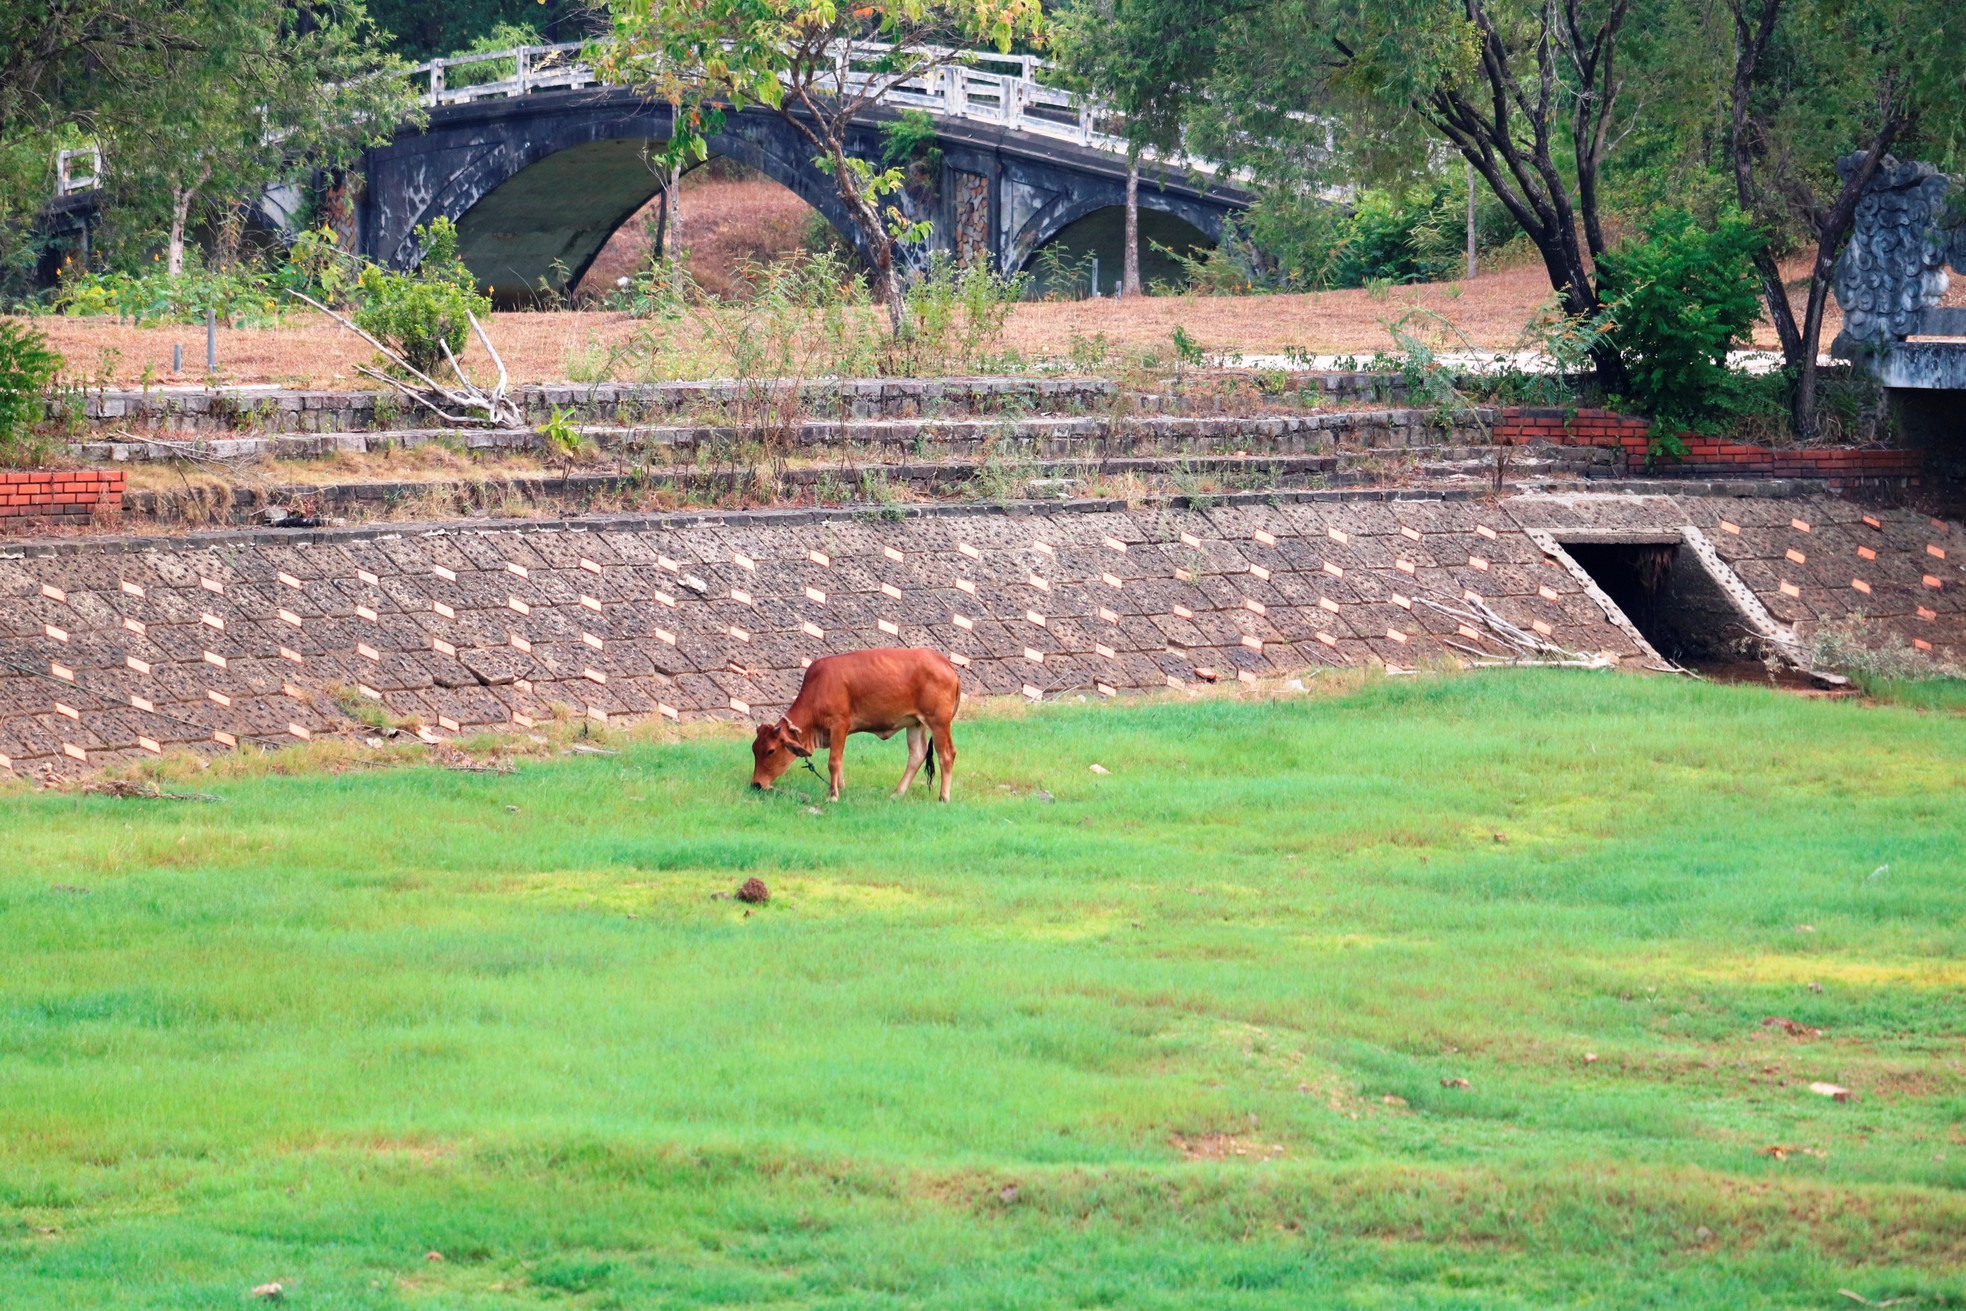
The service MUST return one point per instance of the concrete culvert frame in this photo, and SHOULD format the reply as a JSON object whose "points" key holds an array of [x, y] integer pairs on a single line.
{"points": [[1678, 600]]}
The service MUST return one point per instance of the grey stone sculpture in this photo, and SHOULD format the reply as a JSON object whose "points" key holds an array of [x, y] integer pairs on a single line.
{"points": [[1894, 267]]}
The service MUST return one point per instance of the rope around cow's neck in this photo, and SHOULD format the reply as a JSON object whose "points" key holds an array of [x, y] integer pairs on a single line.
{"points": [[806, 759]]}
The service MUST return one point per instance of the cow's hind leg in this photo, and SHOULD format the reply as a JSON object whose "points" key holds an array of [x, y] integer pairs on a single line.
{"points": [[917, 753], [945, 751]]}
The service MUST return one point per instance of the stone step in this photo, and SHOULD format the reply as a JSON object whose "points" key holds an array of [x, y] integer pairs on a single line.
{"points": [[1054, 437], [253, 409], [944, 479]]}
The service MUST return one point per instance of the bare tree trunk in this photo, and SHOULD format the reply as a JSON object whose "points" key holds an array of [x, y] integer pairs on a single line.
{"points": [[1504, 128], [1471, 221], [181, 198], [1130, 262], [1801, 343], [1835, 229], [1750, 44], [180, 212], [671, 196]]}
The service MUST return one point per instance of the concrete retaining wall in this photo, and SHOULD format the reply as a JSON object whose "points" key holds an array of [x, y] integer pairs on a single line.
{"points": [[113, 648]]}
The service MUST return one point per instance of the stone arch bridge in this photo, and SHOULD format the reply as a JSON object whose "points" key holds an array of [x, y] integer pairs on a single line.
{"points": [[540, 167]]}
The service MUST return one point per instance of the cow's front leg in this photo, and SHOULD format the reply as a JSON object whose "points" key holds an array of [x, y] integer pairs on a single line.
{"points": [[836, 760]]}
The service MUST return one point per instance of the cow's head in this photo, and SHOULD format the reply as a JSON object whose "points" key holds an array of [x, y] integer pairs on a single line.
{"points": [[774, 749]]}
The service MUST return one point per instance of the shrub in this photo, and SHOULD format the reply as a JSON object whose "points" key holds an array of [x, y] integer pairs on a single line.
{"points": [[1679, 300], [1309, 243], [318, 267], [27, 370], [956, 317], [419, 314], [239, 295]]}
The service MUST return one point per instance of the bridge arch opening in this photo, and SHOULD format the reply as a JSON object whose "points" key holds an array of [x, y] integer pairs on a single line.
{"points": [[727, 214], [1061, 265], [535, 233], [547, 221]]}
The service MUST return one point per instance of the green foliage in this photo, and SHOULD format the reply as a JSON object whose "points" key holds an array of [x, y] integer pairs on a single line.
{"points": [[909, 142], [1061, 275], [1679, 300], [241, 295], [812, 314], [708, 57], [956, 316], [28, 368], [419, 314], [562, 438], [318, 266], [501, 36], [1187, 349], [1099, 1048], [1230, 267], [872, 186], [197, 106], [418, 30], [1289, 241], [1414, 236]]}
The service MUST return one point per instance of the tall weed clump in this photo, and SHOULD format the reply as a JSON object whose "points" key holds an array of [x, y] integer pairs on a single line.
{"points": [[813, 314]]}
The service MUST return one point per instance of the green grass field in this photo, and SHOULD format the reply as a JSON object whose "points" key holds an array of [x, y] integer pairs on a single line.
{"points": [[1181, 1036]]}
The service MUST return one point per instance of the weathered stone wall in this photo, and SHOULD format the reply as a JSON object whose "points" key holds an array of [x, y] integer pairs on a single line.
{"points": [[113, 648], [249, 409], [1043, 437]]}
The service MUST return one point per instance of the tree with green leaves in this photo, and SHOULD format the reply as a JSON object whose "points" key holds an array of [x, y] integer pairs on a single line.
{"points": [[197, 105], [1816, 80], [267, 89], [419, 30], [823, 67], [67, 69], [1535, 95]]}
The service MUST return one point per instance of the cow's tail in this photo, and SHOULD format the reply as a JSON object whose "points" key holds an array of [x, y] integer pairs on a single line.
{"points": [[931, 758]]}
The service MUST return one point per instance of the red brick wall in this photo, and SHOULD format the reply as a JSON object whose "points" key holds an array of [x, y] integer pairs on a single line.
{"points": [[33, 499], [1706, 456]]}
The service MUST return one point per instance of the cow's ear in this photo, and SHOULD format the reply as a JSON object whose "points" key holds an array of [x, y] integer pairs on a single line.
{"points": [[795, 740]]}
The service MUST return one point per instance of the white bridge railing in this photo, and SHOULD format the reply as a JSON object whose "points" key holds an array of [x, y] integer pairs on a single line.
{"points": [[980, 86]]}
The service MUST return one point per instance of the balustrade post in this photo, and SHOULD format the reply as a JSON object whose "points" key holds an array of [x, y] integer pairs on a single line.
{"points": [[524, 67], [436, 80]]}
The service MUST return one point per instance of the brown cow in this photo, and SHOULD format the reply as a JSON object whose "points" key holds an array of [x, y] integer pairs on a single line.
{"points": [[879, 692]]}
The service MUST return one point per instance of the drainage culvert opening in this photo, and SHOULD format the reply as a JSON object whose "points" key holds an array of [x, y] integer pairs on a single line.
{"points": [[1667, 593]]}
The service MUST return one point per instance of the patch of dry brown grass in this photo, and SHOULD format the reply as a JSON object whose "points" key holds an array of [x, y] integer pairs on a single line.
{"points": [[725, 222], [1490, 311]]}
